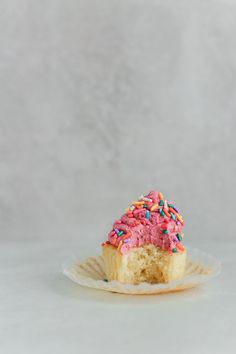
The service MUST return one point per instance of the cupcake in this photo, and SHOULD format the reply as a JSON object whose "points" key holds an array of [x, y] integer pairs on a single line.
{"points": [[145, 244]]}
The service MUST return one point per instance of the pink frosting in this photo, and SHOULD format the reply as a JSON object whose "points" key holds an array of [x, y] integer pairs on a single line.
{"points": [[142, 226]]}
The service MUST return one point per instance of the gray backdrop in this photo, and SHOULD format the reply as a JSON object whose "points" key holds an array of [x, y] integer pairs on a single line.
{"points": [[101, 101]]}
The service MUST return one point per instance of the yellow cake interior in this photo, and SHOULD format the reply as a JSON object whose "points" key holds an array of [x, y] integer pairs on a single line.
{"points": [[146, 263]]}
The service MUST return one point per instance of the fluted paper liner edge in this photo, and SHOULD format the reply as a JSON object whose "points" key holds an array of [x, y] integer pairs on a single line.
{"points": [[200, 267]]}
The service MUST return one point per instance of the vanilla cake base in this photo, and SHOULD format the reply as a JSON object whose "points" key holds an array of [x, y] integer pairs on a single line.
{"points": [[146, 263]]}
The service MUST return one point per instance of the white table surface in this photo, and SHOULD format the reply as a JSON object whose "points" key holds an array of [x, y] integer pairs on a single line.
{"points": [[44, 312]]}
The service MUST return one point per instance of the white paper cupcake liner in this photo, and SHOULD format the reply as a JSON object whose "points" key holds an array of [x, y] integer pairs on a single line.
{"points": [[200, 268]]}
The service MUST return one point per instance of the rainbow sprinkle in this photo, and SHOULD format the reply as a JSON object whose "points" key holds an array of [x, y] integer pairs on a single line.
{"points": [[165, 205], [154, 207], [160, 195], [179, 237], [166, 212], [138, 203]]}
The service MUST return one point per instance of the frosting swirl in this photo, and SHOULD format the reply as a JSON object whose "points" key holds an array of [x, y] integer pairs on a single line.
{"points": [[151, 219]]}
